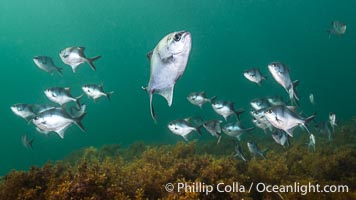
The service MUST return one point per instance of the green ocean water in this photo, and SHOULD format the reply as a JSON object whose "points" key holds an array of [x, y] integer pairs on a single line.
{"points": [[228, 37]]}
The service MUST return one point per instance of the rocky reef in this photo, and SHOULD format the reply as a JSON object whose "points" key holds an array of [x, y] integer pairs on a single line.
{"points": [[142, 171]]}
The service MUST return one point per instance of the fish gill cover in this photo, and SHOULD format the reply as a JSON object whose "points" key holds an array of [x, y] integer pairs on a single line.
{"points": [[239, 91]]}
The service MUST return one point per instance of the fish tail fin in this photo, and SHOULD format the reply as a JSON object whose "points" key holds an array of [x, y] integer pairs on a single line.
{"points": [[238, 112], [264, 153], [330, 32], [77, 111], [212, 99], [262, 79], [59, 70], [108, 95], [219, 138], [91, 62], [293, 95], [198, 129], [78, 122], [31, 142], [77, 101], [307, 121]]}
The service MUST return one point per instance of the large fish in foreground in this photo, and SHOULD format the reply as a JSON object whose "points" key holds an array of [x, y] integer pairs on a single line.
{"points": [[283, 118], [74, 56], [57, 120], [168, 62], [280, 73]]}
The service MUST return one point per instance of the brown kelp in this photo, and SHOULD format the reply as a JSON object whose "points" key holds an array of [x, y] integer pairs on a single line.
{"points": [[142, 171]]}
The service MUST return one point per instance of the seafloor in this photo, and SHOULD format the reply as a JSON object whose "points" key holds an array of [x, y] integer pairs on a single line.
{"points": [[141, 171]]}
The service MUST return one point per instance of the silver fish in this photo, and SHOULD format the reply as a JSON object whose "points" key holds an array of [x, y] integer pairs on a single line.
{"points": [[235, 130], [168, 62], [311, 143], [332, 120], [74, 56], [276, 100], [26, 141], [96, 91], [253, 148], [281, 117], [214, 128], [225, 108], [238, 152], [46, 64], [280, 73], [254, 75], [61, 95], [263, 124], [23, 110], [311, 99], [337, 28], [281, 138], [259, 103], [198, 98], [57, 120], [182, 127], [258, 114]]}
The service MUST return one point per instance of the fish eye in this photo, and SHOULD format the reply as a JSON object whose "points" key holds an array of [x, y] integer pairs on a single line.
{"points": [[35, 118], [177, 37], [269, 111]]}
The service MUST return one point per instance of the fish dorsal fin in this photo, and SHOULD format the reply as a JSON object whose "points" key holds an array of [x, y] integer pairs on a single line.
{"points": [[101, 86], [202, 93], [149, 55], [81, 48], [67, 89], [167, 94]]}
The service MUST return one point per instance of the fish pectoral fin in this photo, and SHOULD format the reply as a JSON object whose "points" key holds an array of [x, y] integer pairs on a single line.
{"points": [[290, 131], [61, 131], [165, 56], [167, 59], [167, 94]]}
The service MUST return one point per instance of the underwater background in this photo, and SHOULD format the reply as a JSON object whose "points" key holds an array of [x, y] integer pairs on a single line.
{"points": [[228, 37]]}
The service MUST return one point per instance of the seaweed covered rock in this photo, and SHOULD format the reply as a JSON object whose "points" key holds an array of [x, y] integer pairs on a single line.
{"points": [[143, 172]]}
